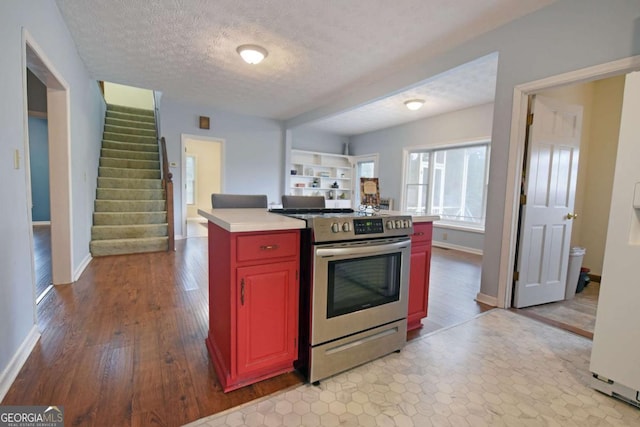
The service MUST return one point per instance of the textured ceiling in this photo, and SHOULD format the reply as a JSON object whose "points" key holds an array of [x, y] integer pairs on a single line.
{"points": [[318, 49]]}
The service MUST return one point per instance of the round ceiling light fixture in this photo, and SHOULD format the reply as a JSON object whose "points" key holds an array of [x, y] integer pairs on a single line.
{"points": [[251, 53], [414, 104]]}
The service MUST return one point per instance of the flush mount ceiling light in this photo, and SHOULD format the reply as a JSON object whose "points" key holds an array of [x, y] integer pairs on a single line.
{"points": [[251, 53], [414, 104]]}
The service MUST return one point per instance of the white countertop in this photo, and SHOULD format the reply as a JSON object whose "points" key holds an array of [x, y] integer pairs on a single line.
{"points": [[241, 220]]}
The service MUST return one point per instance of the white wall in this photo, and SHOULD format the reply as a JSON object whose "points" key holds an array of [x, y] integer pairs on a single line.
{"points": [[43, 21], [253, 150], [446, 129], [128, 96], [564, 36]]}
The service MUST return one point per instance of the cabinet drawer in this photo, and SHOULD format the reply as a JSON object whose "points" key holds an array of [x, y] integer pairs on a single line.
{"points": [[267, 246], [422, 232]]}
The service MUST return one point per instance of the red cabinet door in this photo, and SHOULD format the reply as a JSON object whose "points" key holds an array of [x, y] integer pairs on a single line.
{"points": [[419, 274], [267, 307]]}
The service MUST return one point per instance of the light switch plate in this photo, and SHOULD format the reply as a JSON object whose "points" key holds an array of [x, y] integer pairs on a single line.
{"points": [[636, 196], [173, 164], [16, 159]]}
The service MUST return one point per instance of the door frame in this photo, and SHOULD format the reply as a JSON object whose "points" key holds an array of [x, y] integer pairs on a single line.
{"points": [[59, 125], [521, 95], [183, 173]]}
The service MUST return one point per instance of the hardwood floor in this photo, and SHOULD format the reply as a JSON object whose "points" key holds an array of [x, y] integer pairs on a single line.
{"points": [[577, 315], [453, 286], [42, 257], [125, 344]]}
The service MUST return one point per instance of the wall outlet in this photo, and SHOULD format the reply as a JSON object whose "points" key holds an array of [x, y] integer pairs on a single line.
{"points": [[445, 236]]}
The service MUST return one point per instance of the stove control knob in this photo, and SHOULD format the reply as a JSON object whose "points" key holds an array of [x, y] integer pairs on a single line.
{"points": [[390, 225], [405, 223], [409, 225], [346, 227], [335, 227], [398, 223]]}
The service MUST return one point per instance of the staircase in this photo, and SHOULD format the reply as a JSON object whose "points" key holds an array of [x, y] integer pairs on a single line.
{"points": [[130, 211]]}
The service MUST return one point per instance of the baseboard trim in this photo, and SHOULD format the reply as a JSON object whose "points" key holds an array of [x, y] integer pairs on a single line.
{"points": [[487, 299], [17, 361], [456, 247], [83, 265]]}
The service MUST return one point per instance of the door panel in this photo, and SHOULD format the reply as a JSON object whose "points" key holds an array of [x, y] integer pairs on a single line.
{"points": [[549, 183]]}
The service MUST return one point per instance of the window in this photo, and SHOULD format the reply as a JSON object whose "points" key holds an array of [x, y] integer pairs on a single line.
{"points": [[190, 184], [450, 182]]}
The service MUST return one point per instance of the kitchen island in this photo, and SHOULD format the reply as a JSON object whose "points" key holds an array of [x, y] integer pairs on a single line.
{"points": [[254, 287]]}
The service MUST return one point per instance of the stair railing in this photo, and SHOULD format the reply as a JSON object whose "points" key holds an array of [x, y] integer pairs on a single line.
{"points": [[167, 177], [167, 185]]}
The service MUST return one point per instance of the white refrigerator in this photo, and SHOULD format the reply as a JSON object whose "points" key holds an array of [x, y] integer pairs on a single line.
{"points": [[615, 357]]}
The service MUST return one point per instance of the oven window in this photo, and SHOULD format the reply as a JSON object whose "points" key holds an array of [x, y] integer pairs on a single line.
{"points": [[360, 283]]}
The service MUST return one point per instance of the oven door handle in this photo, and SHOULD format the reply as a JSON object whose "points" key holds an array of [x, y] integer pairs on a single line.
{"points": [[370, 249]]}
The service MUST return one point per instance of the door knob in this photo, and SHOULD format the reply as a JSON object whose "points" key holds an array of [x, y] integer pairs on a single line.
{"points": [[572, 215]]}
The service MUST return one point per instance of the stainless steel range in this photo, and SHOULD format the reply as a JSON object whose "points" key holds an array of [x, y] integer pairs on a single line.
{"points": [[354, 288]]}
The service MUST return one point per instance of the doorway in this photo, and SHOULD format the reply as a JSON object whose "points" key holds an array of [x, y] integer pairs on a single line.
{"points": [[602, 105], [201, 176], [518, 132], [58, 134]]}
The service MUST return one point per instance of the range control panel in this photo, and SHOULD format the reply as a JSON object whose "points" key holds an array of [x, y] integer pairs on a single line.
{"points": [[337, 228]]}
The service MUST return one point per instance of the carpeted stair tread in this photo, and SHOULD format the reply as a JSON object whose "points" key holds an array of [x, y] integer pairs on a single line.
{"points": [[128, 246], [130, 146], [130, 130], [126, 123], [130, 154], [130, 194], [125, 137], [112, 162], [130, 206], [129, 183], [128, 173], [110, 232], [131, 110], [130, 117], [129, 218]]}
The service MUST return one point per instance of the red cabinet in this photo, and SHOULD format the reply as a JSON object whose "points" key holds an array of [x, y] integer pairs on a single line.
{"points": [[419, 274], [253, 304]]}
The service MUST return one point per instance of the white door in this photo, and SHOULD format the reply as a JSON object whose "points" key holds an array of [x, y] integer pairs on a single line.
{"points": [[546, 217]]}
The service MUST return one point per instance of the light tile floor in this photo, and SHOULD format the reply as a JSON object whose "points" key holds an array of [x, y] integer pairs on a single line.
{"points": [[499, 369]]}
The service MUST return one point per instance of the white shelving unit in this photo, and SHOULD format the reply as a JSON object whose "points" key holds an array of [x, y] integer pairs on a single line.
{"points": [[317, 174]]}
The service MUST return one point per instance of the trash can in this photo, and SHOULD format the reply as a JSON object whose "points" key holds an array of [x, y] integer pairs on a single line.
{"points": [[576, 255]]}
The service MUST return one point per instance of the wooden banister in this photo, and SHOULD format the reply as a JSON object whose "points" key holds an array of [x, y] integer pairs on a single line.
{"points": [[167, 184]]}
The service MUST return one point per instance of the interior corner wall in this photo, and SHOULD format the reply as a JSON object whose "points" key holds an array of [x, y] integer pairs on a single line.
{"points": [[46, 27], [253, 149]]}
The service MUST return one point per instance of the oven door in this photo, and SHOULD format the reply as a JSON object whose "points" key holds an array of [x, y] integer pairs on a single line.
{"points": [[358, 286]]}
